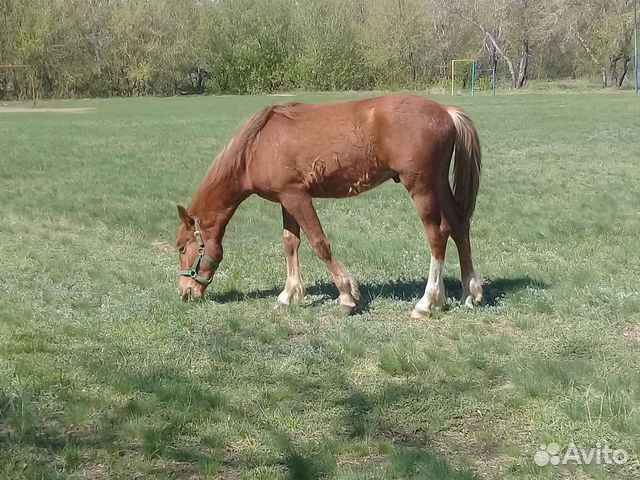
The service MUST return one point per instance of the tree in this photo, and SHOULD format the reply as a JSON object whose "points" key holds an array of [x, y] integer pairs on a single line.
{"points": [[508, 28], [327, 54], [396, 40], [165, 47], [604, 29]]}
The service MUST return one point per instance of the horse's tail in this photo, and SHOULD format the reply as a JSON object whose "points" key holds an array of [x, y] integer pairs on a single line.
{"points": [[467, 162]]}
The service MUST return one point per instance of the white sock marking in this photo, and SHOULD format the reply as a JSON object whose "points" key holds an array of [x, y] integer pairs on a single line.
{"points": [[434, 292]]}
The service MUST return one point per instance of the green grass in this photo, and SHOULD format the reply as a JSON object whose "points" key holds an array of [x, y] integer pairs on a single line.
{"points": [[104, 373]]}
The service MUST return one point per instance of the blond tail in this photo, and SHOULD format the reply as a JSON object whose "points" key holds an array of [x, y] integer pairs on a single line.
{"points": [[467, 162]]}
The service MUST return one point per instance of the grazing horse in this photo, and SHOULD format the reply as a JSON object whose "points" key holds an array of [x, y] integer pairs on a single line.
{"points": [[293, 152]]}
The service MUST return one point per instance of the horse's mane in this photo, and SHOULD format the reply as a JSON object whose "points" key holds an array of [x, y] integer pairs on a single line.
{"points": [[230, 163]]}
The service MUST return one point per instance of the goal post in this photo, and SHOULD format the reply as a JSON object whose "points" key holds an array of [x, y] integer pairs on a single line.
{"points": [[472, 71], [31, 70]]}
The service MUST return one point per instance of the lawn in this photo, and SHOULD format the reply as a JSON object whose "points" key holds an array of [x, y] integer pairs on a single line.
{"points": [[104, 373]]}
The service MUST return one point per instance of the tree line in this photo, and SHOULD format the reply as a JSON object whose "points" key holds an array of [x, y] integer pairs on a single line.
{"points": [[166, 47]]}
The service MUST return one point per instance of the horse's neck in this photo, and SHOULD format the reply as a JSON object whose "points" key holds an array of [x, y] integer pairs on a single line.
{"points": [[214, 203]]}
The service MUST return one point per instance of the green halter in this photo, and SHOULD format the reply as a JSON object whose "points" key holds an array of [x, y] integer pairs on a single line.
{"points": [[193, 271]]}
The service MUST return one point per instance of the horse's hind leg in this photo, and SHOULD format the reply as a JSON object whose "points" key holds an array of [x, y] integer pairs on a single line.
{"points": [[294, 291], [471, 283], [301, 208], [437, 230]]}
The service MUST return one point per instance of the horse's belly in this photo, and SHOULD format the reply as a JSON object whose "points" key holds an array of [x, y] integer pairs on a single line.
{"points": [[344, 179]]}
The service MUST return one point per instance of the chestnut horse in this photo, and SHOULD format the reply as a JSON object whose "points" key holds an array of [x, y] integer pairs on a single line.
{"points": [[293, 152]]}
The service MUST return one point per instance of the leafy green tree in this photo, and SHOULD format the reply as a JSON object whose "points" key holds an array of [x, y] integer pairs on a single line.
{"points": [[604, 29], [396, 40], [248, 45], [166, 47], [327, 55]]}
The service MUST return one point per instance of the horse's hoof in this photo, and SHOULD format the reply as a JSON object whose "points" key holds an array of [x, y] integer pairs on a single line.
{"points": [[281, 302], [348, 308], [472, 302], [417, 314]]}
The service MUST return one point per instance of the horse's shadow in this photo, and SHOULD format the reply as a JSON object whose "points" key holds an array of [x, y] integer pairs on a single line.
{"points": [[495, 289]]}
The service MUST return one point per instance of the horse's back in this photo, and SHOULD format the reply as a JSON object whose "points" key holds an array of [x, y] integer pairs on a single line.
{"points": [[345, 148]]}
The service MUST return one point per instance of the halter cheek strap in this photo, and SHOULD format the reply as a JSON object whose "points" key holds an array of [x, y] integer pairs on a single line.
{"points": [[202, 255]]}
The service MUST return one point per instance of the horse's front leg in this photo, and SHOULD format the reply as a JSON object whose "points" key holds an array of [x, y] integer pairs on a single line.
{"points": [[294, 291], [301, 208]]}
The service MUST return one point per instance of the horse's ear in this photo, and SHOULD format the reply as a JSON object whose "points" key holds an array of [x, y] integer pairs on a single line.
{"points": [[184, 216]]}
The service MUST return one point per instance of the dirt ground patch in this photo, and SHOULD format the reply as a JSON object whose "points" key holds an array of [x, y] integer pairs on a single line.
{"points": [[483, 439], [44, 110], [632, 332]]}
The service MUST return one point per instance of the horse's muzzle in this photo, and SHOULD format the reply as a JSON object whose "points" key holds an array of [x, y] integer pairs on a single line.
{"points": [[188, 294]]}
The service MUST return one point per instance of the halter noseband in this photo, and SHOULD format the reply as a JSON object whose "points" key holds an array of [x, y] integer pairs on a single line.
{"points": [[193, 271]]}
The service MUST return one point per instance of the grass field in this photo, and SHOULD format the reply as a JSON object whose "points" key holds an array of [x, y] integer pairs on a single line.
{"points": [[104, 373]]}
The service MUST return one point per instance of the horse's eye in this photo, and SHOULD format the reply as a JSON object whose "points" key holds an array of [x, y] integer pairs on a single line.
{"points": [[182, 250]]}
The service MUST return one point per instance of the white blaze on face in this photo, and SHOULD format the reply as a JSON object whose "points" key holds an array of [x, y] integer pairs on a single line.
{"points": [[434, 292]]}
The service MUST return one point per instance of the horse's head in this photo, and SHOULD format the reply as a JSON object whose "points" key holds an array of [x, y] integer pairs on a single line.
{"points": [[196, 266]]}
